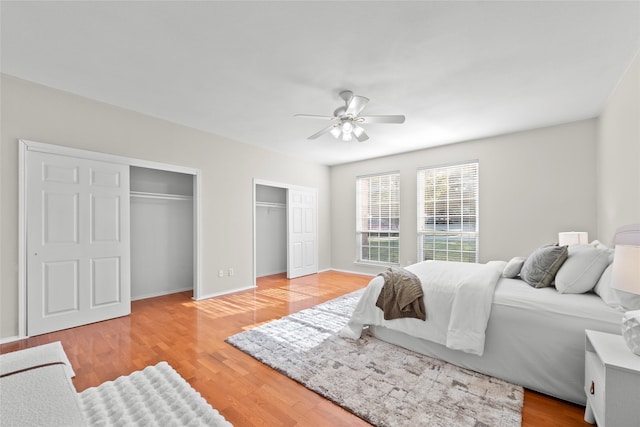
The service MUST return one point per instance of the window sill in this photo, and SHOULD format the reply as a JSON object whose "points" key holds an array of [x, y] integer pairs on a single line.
{"points": [[376, 264]]}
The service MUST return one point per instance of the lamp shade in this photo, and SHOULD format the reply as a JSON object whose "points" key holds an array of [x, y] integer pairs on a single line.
{"points": [[626, 269], [573, 238]]}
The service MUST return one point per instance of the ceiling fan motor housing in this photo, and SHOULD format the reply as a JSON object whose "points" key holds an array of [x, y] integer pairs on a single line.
{"points": [[346, 119]]}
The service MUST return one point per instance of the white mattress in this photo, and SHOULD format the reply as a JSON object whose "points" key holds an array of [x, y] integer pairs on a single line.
{"points": [[534, 338]]}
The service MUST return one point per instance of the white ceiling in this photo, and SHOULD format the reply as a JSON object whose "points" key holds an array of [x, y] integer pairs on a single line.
{"points": [[240, 69]]}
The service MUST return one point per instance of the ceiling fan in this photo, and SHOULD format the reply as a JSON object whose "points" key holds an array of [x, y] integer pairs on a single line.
{"points": [[346, 123]]}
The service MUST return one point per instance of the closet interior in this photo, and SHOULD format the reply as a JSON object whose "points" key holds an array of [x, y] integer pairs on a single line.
{"points": [[271, 230], [162, 224]]}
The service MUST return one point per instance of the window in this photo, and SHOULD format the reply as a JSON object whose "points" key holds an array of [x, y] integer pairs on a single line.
{"points": [[448, 213], [378, 218]]}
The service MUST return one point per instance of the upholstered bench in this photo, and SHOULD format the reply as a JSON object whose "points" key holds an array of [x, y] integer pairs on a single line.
{"points": [[36, 390]]}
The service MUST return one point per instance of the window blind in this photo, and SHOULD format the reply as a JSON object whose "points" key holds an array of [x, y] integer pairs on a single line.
{"points": [[378, 218], [448, 213]]}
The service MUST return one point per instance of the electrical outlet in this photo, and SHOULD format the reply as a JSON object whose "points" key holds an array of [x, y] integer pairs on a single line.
{"points": [[220, 273], [231, 272]]}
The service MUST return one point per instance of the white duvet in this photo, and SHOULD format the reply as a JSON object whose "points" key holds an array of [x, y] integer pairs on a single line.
{"points": [[457, 299]]}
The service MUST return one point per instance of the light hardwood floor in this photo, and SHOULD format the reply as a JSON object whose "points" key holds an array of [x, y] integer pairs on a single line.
{"points": [[190, 336]]}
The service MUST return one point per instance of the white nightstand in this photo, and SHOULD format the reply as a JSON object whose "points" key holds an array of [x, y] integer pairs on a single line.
{"points": [[612, 381]]}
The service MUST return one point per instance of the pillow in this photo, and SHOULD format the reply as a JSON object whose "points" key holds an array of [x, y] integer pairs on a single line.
{"points": [[598, 245], [614, 298], [513, 267], [582, 269], [541, 266], [628, 301], [605, 291]]}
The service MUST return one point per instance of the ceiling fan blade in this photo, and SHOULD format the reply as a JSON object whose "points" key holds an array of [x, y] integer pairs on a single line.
{"points": [[362, 136], [356, 104], [313, 116], [322, 132], [383, 119]]}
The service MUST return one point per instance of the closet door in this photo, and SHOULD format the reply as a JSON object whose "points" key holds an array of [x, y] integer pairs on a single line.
{"points": [[302, 212], [77, 241]]}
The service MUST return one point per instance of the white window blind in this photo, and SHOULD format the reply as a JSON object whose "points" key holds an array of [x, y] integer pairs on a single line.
{"points": [[448, 213], [378, 218]]}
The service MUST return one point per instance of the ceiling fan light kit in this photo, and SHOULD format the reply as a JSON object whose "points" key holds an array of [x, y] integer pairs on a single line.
{"points": [[346, 119]]}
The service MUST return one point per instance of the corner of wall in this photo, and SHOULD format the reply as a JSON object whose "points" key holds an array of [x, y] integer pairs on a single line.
{"points": [[618, 156]]}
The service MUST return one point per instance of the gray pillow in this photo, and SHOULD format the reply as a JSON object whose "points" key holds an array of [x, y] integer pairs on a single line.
{"points": [[513, 267], [541, 266]]}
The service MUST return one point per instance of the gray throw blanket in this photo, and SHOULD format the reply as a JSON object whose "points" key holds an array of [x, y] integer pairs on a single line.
{"points": [[401, 296]]}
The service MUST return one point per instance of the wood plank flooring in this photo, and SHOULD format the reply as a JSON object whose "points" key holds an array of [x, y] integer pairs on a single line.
{"points": [[190, 336]]}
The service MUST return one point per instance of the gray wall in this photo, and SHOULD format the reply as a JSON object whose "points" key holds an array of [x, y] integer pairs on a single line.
{"points": [[618, 151], [34, 112], [533, 185]]}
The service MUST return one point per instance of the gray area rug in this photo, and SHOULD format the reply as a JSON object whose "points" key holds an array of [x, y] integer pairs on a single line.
{"points": [[381, 383]]}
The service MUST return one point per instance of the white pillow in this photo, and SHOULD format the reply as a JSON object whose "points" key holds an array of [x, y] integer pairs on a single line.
{"points": [[582, 269], [605, 291], [513, 267], [614, 298], [599, 245]]}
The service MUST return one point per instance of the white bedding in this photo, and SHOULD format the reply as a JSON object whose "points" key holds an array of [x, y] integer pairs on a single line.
{"points": [[534, 338], [457, 298]]}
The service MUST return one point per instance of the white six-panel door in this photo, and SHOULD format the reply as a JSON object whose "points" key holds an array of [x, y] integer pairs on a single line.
{"points": [[77, 241], [303, 232]]}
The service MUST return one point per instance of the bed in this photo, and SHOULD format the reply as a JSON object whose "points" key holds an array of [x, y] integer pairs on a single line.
{"points": [[534, 337]]}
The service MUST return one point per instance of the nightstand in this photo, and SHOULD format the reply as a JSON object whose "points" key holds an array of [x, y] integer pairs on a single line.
{"points": [[612, 381]]}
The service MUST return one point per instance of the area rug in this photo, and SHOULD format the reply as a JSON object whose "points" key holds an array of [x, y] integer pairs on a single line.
{"points": [[381, 383], [155, 396]]}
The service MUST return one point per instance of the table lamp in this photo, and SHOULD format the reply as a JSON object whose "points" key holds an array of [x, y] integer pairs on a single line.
{"points": [[566, 238], [626, 277]]}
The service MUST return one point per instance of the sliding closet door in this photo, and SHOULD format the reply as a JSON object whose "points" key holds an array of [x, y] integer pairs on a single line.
{"points": [[302, 212], [77, 241]]}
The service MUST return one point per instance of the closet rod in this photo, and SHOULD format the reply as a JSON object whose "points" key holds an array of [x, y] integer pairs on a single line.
{"points": [[143, 195], [271, 205]]}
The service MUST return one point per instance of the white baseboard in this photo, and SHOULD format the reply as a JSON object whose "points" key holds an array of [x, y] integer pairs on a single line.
{"points": [[350, 272], [262, 274], [11, 339], [159, 294], [230, 291]]}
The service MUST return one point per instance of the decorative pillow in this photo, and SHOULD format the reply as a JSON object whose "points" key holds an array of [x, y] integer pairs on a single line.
{"points": [[614, 298], [513, 267], [541, 266], [582, 269]]}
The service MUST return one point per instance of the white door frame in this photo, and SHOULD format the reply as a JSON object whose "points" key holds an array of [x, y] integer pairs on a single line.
{"points": [[287, 187], [26, 145]]}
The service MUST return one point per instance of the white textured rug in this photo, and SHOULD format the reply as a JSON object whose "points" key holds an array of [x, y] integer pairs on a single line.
{"points": [[381, 383], [155, 396]]}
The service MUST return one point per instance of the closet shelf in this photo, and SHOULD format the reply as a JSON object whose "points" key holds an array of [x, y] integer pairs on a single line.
{"points": [[143, 195], [271, 205]]}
